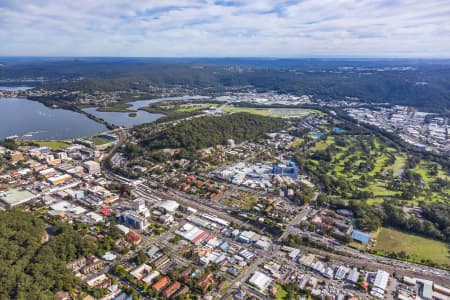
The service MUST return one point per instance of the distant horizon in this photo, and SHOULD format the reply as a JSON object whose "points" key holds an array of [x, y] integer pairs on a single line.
{"points": [[229, 57]]}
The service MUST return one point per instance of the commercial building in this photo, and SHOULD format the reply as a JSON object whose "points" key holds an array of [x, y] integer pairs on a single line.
{"points": [[380, 284], [341, 271], [134, 220], [287, 168], [248, 237], [426, 288], [168, 206], [93, 218], [59, 179], [62, 155], [260, 280], [92, 167], [353, 276], [14, 197]]}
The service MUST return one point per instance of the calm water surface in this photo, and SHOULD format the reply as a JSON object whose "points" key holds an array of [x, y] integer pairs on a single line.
{"points": [[123, 119], [25, 117], [34, 121]]}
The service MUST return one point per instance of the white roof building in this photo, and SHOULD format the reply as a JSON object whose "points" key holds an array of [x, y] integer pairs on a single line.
{"points": [[150, 277], [109, 256], [123, 228], [168, 206], [260, 280], [95, 217], [353, 276], [380, 284], [141, 271], [96, 280]]}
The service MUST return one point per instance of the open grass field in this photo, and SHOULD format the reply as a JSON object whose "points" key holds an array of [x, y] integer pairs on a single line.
{"points": [[417, 247], [195, 107], [273, 112], [244, 202], [98, 141], [398, 164], [55, 145], [323, 144], [378, 189]]}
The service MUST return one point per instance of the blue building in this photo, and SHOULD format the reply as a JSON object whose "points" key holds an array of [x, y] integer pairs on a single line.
{"points": [[123, 296], [289, 168], [224, 246], [134, 220], [360, 236]]}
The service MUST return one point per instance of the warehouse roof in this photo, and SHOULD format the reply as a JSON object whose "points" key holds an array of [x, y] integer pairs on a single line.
{"points": [[168, 205], [260, 280], [16, 196]]}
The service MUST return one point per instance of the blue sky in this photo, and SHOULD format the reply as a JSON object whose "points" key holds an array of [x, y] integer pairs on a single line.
{"points": [[222, 28]]}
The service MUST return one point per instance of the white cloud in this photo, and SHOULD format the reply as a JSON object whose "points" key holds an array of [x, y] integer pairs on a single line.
{"points": [[388, 28]]}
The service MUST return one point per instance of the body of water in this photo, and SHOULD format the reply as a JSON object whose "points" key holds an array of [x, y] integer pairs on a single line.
{"points": [[34, 121], [123, 118], [25, 117], [15, 88]]}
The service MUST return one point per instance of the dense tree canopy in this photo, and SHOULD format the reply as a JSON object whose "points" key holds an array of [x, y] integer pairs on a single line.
{"points": [[210, 131], [30, 267], [422, 84]]}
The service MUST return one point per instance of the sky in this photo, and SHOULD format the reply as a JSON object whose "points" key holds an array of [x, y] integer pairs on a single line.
{"points": [[226, 28]]}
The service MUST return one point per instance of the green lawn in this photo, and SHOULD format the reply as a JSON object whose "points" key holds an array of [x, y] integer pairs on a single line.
{"points": [[191, 108], [255, 111], [98, 141], [398, 164], [379, 164], [378, 189], [323, 144], [423, 169], [281, 292], [55, 145], [375, 184], [417, 247], [273, 112], [374, 201]]}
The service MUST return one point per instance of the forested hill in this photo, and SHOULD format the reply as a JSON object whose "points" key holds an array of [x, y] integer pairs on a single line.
{"points": [[31, 269], [210, 131], [419, 83]]}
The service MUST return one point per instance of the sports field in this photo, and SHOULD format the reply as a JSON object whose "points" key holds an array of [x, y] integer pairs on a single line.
{"points": [[55, 145], [98, 141], [272, 112], [416, 247]]}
